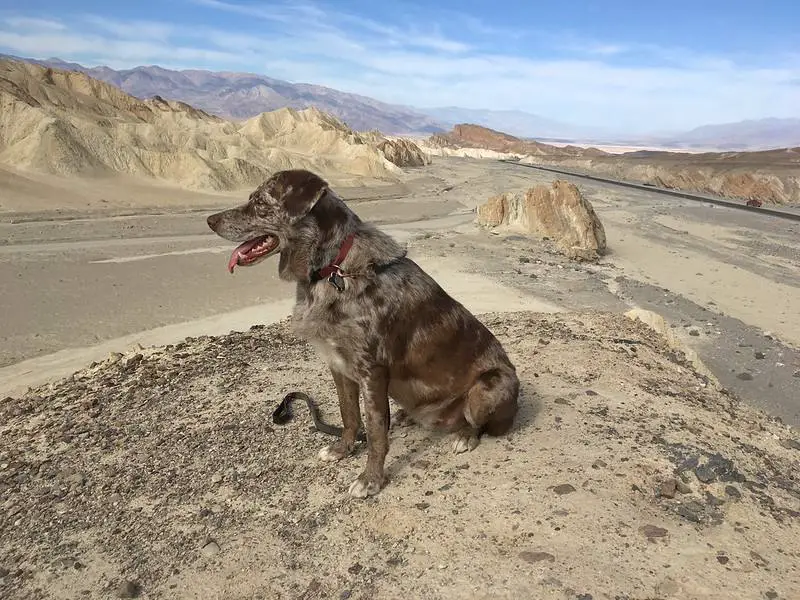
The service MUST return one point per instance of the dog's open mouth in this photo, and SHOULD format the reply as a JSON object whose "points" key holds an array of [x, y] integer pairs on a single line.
{"points": [[252, 251]]}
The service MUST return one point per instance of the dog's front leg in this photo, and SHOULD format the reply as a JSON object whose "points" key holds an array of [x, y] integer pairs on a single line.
{"points": [[347, 392], [375, 388]]}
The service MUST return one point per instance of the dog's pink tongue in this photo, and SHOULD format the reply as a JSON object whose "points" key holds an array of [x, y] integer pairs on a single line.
{"points": [[234, 260]]}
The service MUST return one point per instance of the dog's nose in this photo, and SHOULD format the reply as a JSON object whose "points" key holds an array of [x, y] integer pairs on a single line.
{"points": [[213, 221]]}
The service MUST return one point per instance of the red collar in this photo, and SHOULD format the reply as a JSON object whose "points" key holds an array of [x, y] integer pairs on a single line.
{"points": [[335, 266]]}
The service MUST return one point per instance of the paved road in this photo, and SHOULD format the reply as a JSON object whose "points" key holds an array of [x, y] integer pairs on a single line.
{"points": [[791, 213]]}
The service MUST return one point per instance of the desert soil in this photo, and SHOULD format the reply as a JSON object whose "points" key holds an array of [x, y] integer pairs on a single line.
{"points": [[159, 474]]}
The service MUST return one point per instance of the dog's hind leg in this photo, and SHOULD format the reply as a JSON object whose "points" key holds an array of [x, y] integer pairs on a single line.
{"points": [[347, 392], [490, 408]]}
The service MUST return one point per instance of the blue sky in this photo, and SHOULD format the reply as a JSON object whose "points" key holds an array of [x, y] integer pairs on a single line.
{"points": [[628, 65]]}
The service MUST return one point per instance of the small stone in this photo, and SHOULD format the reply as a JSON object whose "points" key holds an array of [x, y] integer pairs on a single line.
{"points": [[771, 594], [758, 558], [345, 594], [667, 488], [584, 597], [732, 492], [683, 487], [211, 548], [534, 557], [744, 376], [355, 568], [722, 559], [422, 505], [564, 488], [705, 474], [3, 572], [687, 465], [76, 479], [127, 589], [694, 332], [759, 355], [599, 464], [668, 588], [796, 374], [691, 511], [216, 478], [591, 393], [790, 444], [652, 531], [133, 362]]}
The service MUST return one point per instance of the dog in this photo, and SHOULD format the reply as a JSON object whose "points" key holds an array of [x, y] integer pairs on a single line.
{"points": [[384, 327]]}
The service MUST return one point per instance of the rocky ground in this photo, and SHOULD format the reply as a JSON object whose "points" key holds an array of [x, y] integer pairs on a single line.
{"points": [[631, 474], [159, 474]]}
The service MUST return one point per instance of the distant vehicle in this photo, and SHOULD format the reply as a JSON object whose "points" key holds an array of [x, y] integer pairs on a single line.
{"points": [[754, 202]]}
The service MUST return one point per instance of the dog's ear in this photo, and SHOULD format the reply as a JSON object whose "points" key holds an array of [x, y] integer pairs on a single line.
{"points": [[299, 190]]}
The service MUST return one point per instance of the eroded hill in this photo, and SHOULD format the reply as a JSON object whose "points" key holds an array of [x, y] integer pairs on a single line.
{"points": [[66, 123]]}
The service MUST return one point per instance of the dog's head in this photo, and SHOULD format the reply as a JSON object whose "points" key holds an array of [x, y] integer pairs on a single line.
{"points": [[264, 224]]}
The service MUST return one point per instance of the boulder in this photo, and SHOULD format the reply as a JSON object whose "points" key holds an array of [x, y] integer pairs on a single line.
{"points": [[403, 153], [558, 212]]}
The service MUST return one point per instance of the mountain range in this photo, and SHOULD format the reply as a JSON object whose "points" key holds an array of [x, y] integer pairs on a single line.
{"points": [[244, 95], [745, 135]]}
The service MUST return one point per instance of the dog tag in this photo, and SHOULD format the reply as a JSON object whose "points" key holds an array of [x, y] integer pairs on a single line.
{"points": [[336, 281]]}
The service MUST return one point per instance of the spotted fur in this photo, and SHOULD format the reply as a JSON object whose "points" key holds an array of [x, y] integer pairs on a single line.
{"points": [[391, 332]]}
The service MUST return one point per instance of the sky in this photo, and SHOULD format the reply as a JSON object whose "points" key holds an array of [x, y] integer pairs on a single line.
{"points": [[634, 66]]}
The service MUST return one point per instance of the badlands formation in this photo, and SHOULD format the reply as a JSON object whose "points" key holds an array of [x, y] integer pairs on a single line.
{"points": [[633, 471], [772, 176], [66, 123]]}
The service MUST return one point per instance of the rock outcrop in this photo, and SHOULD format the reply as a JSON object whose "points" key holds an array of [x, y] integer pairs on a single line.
{"points": [[558, 212], [466, 136], [403, 153]]}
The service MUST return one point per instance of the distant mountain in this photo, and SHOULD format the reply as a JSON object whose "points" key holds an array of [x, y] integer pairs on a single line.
{"points": [[245, 95], [515, 122], [760, 134]]}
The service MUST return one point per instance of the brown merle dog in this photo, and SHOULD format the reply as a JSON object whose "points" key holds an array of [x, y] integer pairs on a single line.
{"points": [[384, 326]]}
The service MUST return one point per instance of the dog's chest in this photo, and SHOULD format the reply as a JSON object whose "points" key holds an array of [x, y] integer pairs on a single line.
{"points": [[332, 354]]}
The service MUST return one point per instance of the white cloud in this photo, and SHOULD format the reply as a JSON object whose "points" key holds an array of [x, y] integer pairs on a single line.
{"points": [[132, 29], [603, 83], [33, 23]]}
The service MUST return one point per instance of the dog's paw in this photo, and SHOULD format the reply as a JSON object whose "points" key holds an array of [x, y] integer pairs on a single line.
{"points": [[465, 443], [333, 452], [364, 487]]}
